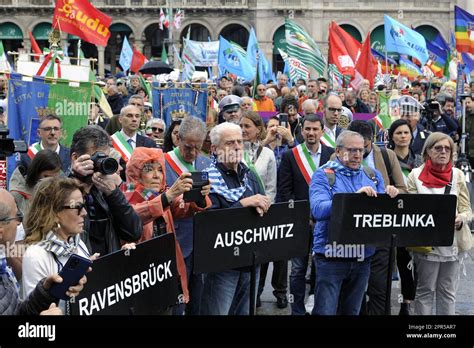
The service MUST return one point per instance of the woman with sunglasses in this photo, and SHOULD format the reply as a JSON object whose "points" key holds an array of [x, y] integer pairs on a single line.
{"points": [[438, 267], [53, 227]]}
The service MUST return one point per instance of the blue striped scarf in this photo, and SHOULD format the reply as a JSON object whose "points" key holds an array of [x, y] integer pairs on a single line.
{"points": [[60, 248], [5, 269], [339, 168], [219, 186]]}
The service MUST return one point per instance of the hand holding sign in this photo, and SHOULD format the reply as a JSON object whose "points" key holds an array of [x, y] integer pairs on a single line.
{"points": [[258, 201], [368, 190], [392, 191]]}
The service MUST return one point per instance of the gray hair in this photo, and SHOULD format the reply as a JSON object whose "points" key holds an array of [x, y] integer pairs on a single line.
{"points": [[192, 125], [341, 139], [136, 96], [123, 111], [5, 210], [216, 132], [156, 120]]}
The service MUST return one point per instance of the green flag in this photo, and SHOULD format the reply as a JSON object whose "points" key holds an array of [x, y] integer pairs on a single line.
{"points": [[72, 104], [302, 46], [383, 119], [164, 56]]}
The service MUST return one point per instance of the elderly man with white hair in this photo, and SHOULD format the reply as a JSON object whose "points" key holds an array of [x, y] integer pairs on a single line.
{"points": [[233, 185], [155, 129]]}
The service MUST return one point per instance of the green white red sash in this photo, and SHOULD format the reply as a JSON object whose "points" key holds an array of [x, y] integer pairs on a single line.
{"points": [[120, 144], [177, 162], [252, 168], [34, 149], [327, 140], [304, 161]]}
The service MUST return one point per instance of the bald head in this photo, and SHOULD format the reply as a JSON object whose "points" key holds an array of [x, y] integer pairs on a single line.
{"points": [[7, 210]]}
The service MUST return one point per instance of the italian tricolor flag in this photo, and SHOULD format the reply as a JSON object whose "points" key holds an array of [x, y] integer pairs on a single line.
{"points": [[4, 64]]}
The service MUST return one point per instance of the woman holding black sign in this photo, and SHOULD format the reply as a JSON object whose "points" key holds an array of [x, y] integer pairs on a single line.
{"points": [[438, 267], [400, 138], [156, 204]]}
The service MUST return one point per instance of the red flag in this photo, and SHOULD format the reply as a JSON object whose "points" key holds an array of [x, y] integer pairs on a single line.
{"points": [[34, 46], [366, 65], [343, 49], [80, 18], [138, 60]]}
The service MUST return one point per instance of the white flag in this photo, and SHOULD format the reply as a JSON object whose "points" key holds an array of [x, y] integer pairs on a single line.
{"points": [[178, 17]]}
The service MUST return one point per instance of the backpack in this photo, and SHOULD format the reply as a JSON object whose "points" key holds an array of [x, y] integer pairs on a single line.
{"points": [[331, 175]]}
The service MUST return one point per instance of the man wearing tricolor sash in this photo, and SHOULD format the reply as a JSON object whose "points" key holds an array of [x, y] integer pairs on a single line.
{"points": [[295, 172], [127, 139], [184, 159], [332, 112], [49, 133]]}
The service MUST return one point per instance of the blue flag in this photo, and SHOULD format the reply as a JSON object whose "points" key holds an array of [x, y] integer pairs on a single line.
{"points": [[440, 42], [27, 100], [176, 103], [399, 38], [255, 55], [126, 55], [231, 61]]}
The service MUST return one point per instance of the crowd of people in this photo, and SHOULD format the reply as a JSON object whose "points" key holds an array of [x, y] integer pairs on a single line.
{"points": [[122, 182]]}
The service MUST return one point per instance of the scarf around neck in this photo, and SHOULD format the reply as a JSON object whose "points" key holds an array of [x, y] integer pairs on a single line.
{"points": [[60, 248], [338, 167], [433, 177], [219, 186]]}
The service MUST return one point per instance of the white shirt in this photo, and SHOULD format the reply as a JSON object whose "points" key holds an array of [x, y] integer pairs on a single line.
{"points": [[134, 139], [57, 147], [316, 156]]}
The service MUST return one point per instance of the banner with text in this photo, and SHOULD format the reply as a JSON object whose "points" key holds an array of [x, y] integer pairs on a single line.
{"points": [[417, 220], [143, 281], [230, 238], [176, 103]]}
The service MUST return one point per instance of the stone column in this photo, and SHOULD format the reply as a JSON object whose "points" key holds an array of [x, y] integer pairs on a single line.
{"points": [[101, 54]]}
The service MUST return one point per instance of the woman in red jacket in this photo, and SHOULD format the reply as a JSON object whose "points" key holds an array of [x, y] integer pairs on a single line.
{"points": [[156, 204]]}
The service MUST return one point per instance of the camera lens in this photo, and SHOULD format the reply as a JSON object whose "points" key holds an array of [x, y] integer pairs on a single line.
{"points": [[107, 165]]}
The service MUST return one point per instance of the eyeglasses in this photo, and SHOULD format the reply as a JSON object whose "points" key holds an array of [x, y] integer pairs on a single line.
{"points": [[335, 109], [441, 148], [354, 150], [49, 129], [156, 129], [79, 207], [18, 217], [190, 148]]}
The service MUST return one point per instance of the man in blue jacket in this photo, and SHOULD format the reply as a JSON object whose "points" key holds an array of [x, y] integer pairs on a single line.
{"points": [[332, 272], [183, 159]]}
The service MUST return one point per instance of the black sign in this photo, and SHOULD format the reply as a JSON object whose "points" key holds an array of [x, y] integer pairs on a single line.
{"points": [[140, 281], [417, 220], [229, 238]]}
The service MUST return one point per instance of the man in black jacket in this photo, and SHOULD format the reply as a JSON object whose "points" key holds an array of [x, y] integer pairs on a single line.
{"points": [[294, 176], [110, 218]]}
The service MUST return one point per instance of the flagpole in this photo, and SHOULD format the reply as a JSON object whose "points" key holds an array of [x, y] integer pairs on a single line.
{"points": [[170, 27]]}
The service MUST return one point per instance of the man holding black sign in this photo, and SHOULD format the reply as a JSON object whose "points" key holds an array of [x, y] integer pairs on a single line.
{"points": [[344, 175], [233, 185], [296, 169]]}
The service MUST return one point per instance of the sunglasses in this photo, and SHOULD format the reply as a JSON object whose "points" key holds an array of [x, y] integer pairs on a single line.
{"points": [[156, 129], [78, 206], [440, 148], [335, 109]]}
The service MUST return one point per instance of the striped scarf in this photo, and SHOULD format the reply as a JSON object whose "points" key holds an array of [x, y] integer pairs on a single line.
{"points": [[60, 248], [219, 186], [5, 269], [339, 168], [147, 194]]}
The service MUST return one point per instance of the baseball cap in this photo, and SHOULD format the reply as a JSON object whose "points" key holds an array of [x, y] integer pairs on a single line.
{"points": [[230, 103]]}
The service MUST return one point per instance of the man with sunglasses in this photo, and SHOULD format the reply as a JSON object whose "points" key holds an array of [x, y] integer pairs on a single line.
{"points": [[336, 272], [155, 129], [49, 134], [185, 158]]}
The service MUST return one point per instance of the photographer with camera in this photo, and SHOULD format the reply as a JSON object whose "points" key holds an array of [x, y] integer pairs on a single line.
{"points": [[110, 218], [438, 116]]}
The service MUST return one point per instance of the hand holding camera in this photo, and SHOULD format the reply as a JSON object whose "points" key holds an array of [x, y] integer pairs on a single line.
{"points": [[183, 184]]}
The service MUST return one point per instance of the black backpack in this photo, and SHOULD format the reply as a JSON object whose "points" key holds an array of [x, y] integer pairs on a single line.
{"points": [[331, 175]]}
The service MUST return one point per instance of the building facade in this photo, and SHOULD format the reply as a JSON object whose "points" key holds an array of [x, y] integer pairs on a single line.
{"points": [[207, 19]]}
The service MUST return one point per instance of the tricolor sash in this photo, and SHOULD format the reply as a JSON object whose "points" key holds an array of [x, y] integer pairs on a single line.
{"points": [[304, 161], [327, 140], [120, 144], [252, 168], [177, 162], [34, 149]]}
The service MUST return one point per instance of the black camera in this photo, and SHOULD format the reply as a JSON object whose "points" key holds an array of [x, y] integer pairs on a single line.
{"points": [[104, 164], [8, 146]]}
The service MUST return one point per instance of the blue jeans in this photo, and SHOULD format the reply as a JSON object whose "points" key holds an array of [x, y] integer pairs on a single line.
{"points": [[330, 276], [227, 293], [299, 265]]}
